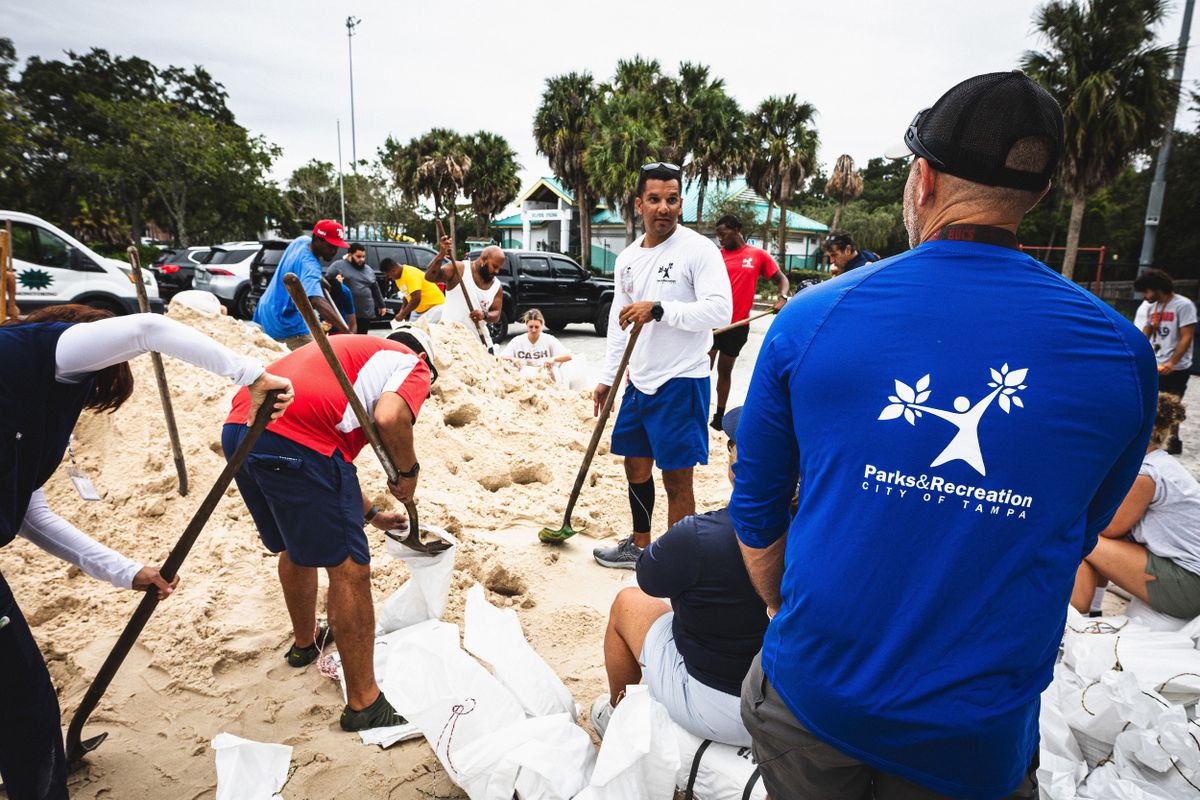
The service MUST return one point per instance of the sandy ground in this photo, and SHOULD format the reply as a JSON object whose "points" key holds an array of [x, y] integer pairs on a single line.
{"points": [[499, 454]]}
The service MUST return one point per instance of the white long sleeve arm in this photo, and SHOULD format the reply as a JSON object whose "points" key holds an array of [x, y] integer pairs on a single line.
{"points": [[615, 345], [713, 304], [63, 540], [91, 346]]}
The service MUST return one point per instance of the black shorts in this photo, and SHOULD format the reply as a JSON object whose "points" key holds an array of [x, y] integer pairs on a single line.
{"points": [[730, 343], [1174, 382]]}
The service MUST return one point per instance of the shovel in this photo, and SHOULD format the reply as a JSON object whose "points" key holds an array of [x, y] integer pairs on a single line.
{"points": [[566, 531], [746, 321], [77, 749], [160, 375], [413, 538], [485, 338]]}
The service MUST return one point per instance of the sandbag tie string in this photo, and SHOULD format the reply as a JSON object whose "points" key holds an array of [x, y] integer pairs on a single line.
{"points": [[456, 711]]}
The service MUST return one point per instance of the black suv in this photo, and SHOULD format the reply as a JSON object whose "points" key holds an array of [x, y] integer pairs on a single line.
{"points": [[553, 283], [264, 264], [175, 268]]}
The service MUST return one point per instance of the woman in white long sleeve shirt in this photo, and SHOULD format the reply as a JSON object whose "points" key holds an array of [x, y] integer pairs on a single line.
{"points": [[55, 363]]}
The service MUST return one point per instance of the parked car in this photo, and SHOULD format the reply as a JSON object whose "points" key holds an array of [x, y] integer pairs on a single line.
{"points": [[225, 271], [564, 291], [262, 266], [175, 268], [52, 267]]}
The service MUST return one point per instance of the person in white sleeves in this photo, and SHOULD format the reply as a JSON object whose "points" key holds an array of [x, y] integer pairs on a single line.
{"points": [[535, 350]]}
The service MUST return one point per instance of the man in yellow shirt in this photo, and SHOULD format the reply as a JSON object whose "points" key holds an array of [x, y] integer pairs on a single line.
{"points": [[422, 299]]}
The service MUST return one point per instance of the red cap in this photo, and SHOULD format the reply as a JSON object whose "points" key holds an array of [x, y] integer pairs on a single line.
{"points": [[331, 231]]}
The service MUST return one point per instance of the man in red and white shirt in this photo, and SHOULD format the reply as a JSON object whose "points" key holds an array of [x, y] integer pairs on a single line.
{"points": [[302, 490], [745, 264]]}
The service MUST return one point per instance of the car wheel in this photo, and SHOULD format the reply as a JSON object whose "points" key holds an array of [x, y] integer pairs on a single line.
{"points": [[601, 322], [243, 304], [101, 304], [555, 324], [498, 330]]}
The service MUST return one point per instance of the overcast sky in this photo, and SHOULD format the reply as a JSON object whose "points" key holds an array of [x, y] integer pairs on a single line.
{"points": [[867, 65]]}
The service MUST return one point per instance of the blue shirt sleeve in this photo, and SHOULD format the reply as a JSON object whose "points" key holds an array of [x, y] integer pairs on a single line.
{"points": [[1120, 478], [309, 272], [671, 564], [348, 296], [768, 455]]}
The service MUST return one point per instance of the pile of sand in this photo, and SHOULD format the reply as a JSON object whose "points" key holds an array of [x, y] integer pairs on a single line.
{"points": [[499, 454]]}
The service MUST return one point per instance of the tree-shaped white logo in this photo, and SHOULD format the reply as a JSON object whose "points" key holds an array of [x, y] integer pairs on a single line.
{"points": [[909, 403]]}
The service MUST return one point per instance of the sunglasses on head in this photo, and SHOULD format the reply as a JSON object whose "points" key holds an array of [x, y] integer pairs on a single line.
{"points": [[656, 165], [913, 139]]}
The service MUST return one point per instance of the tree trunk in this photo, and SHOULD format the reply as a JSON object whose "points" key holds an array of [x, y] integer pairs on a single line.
{"points": [[135, 219], [1078, 204], [454, 227], [700, 198], [630, 230], [783, 204], [585, 227], [837, 216], [767, 227]]}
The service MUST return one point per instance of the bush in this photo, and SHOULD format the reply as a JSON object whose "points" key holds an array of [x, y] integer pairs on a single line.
{"points": [[146, 252]]}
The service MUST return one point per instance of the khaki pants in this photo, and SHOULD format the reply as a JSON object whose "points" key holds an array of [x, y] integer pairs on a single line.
{"points": [[296, 342]]}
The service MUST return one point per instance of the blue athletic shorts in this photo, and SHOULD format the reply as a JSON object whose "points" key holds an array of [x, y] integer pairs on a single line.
{"points": [[670, 426], [301, 501]]}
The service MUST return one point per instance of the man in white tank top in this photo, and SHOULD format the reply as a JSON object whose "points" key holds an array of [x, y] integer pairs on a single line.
{"points": [[487, 296]]}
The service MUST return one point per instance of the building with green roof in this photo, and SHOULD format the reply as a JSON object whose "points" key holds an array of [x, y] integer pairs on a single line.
{"points": [[548, 221]]}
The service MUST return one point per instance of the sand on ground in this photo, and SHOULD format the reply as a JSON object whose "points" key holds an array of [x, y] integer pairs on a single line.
{"points": [[499, 454]]}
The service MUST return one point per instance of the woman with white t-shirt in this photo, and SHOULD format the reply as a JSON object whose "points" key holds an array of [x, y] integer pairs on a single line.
{"points": [[536, 350], [1151, 549]]}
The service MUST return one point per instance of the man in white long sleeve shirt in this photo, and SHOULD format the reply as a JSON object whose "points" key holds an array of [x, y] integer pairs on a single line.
{"points": [[671, 281]]}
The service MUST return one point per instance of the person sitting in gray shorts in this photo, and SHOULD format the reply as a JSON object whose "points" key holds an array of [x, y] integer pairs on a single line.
{"points": [[695, 650], [1151, 549]]}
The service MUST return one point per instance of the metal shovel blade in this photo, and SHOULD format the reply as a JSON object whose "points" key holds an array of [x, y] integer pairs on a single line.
{"points": [[74, 754], [550, 535]]}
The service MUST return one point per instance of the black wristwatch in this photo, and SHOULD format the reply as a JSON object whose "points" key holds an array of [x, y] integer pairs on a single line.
{"points": [[412, 473], [370, 515], [656, 311]]}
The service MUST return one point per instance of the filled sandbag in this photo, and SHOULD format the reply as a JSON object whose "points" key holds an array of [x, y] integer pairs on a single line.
{"points": [[422, 596], [711, 770], [639, 757]]}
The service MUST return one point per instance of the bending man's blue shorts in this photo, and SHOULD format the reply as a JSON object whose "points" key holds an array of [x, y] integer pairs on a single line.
{"points": [[670, 426], [301, 501]]}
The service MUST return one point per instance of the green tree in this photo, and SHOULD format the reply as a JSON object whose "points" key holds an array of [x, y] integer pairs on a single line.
{"points": [[711, 129], [313, 193], [844, 184], [16, 130], [562, 129], [1113, 83], [433, 165], [783, 152], [493, 180]]}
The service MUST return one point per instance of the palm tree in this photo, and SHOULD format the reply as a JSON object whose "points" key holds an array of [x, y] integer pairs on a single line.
{"points": [[434, 165], [784, 153], [628, 130], [844, 184], [562, 128], [712, 129], [492, 181], [1113, 84]]}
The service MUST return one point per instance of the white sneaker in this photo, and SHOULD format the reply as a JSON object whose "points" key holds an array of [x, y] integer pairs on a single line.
{"points": [[602, 712]]}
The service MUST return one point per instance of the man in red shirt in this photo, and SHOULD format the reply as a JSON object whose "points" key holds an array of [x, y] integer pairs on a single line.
{"points": [[745, 264], [302, 490]]}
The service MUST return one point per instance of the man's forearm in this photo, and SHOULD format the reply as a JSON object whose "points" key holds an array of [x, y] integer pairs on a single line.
{"points": [[765, 568], [329, 314], [397, 438], [781, 281], [1185, 345]]}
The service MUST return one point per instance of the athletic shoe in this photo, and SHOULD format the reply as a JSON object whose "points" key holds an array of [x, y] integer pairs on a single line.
{"points": [[379, 714], [623, 555], [303, 656], [1174, 446], [602, 712], [717, 419]]}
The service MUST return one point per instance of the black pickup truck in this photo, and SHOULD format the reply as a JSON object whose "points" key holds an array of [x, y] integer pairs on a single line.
{"points": [[553, 283]]}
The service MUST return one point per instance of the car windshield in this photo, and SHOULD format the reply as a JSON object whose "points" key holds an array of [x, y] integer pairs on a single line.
{"points": [[228, 256], [271, 256]]}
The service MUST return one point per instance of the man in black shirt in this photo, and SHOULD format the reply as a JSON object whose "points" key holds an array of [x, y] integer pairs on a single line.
{"points": [[843, 255], [695, 656]]}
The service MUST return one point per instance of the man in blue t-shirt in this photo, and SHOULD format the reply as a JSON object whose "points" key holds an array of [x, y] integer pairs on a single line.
{"points": [[695, 650], [979, 446], [843, 255], [276, 312]]}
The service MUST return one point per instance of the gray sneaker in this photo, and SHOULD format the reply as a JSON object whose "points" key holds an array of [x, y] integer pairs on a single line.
{"points": [[623, 555]]}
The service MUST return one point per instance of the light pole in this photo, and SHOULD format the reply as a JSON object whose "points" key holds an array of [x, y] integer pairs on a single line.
{"points": [[341, 177], [1159, 187], [351, 24]]}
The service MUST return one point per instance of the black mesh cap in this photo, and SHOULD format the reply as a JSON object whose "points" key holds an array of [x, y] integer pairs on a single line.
{"points": [[970, 132]]}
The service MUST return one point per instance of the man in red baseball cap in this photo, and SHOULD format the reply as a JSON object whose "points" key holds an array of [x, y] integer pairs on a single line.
{"points": [[276, 312]]}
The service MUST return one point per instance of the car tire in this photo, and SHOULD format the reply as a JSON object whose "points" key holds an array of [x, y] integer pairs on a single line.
{"points": [[102, 304], [498, 330], [555, 324], [243, 304], [601, 322]]}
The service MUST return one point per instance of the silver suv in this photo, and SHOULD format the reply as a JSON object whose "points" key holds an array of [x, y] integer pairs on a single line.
{"points": [[225, 271]]}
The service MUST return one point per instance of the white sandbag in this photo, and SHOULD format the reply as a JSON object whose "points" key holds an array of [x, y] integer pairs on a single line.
{"points": [[450, 697], [248, 770], [721, 771], [1101, 711], [578, 373], [542, 758], [1161, 660], [422, 596], [1144, 615], [1061, 764], [197, 300], [494, 635], [640, 755], [1111, 782]]}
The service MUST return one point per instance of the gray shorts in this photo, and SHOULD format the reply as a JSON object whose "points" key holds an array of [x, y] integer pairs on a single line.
{"points": [[700, 710], [799, 766], [1175, 590], [431, 315]]}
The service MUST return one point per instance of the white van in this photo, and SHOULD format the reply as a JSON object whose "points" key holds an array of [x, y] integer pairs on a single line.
{"points": [[52, 267]]}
